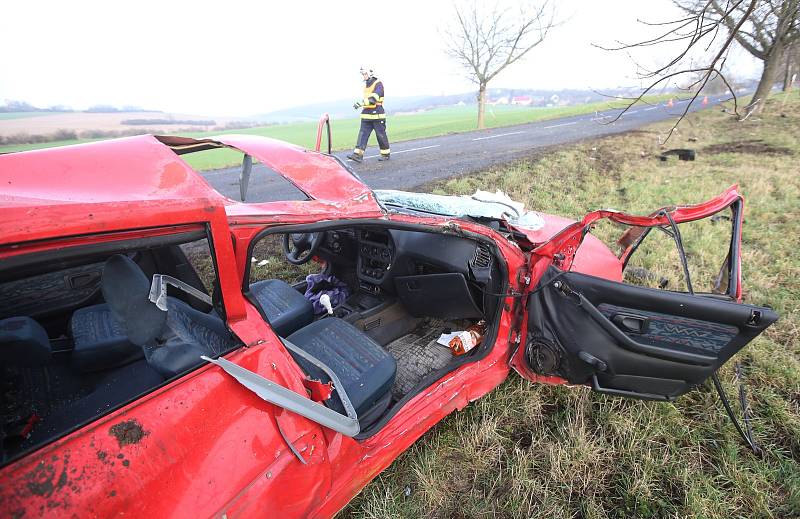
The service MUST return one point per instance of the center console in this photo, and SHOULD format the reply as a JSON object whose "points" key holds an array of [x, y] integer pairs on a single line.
{"points": [[374, 259]]}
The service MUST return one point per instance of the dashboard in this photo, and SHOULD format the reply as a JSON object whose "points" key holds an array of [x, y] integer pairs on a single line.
{"points": [[379, 255], [375, 254]]}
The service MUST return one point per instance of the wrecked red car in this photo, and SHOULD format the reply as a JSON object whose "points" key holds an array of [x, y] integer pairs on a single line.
{"points": [[149, 370]]}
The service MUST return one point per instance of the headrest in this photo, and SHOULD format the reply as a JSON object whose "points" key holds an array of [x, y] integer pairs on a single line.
{"points": [[126, 289], [23, 342]]}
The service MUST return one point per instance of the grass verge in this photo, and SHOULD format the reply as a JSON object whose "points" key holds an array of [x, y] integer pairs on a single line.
{"points": [[538, 451]]}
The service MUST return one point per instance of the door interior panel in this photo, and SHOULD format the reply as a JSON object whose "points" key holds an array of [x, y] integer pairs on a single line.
{"points": [[669, 331], [630, 340], [50, 293]]}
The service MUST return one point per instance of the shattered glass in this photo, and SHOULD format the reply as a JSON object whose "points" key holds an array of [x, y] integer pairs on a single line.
{"points": [[481, 204]]}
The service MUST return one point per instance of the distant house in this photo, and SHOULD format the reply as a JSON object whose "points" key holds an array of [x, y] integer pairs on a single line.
{"points": [[522, 100], [499, 101]]}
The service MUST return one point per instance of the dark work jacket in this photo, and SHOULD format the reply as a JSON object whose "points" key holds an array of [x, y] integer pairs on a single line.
{"points": [[373, 100]]}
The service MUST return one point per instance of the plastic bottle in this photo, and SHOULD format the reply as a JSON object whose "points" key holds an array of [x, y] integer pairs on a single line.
{"points": [[468, 339], [325, 301]]}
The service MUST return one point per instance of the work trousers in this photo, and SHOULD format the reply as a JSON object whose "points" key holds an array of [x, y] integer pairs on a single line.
{"points": [[367, 126]]}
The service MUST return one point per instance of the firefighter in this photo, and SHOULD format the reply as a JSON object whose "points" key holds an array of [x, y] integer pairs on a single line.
{"points": [[373, 117]]}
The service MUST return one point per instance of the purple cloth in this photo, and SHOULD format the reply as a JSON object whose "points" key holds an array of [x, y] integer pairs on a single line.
{"points": [[319, 284]]}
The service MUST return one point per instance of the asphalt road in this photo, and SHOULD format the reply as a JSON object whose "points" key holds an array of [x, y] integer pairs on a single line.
{"points": [[422, 161]]}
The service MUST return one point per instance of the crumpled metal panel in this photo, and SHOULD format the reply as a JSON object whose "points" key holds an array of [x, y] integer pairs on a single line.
{"points": [[319, 176], [97, 187], [582, 252]]}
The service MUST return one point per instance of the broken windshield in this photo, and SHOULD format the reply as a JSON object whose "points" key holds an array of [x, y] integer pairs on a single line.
{"points": [[481, 204]]}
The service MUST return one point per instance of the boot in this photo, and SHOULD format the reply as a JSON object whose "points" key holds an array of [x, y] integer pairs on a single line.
{"points": [[356, 157], [383, 158]]}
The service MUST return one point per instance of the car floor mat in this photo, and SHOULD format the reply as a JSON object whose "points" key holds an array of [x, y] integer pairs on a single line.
{"points": [[417, 354]]}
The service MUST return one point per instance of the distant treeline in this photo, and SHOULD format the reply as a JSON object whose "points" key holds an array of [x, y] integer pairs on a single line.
{"points": [[190, 122], [24, 106], [70, 135]]}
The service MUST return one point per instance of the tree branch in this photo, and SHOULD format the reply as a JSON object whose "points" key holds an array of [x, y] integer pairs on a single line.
{"points": [[704, 25]]}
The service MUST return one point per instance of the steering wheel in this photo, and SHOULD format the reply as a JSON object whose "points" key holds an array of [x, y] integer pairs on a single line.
{"points": [[304, 245]]}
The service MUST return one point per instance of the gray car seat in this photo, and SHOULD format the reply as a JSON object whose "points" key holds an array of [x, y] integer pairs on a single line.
{"points": [[366, 370], [286, 309], [173, 341], [99, 340]]}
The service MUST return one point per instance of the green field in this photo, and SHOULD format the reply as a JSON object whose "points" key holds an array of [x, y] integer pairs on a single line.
{"points": [[22, 115], [440, 121], [529, 450]]}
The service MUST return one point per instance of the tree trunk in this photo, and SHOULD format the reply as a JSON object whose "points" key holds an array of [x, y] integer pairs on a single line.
{"points": [[481, 105], [772, 66], [791, 57]]}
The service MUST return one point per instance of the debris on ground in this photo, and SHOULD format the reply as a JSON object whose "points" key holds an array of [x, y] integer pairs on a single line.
{"points": [[643, 276], [681, 153]]}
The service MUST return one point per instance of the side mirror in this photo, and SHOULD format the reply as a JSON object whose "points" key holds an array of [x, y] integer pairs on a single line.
{"points": [[244, 176]]}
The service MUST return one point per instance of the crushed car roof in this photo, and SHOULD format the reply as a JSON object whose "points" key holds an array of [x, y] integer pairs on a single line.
{"points": [[134, 168], [93, 187], [320, 176]]}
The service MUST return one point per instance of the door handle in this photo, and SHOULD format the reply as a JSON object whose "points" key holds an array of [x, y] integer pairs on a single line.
{"points": [[632, 323], [82, 280]]}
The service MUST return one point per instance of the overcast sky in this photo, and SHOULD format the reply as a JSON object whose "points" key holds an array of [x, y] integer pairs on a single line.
{"points": [[243, 58]]}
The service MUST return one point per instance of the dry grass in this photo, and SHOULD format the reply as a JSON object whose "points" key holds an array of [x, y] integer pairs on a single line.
{"points": [[270, 250], [537, 451], [269, 263]]}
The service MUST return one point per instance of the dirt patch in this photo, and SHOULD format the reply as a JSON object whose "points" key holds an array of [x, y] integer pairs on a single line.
{"points": [[608, 161], [754, 146], [45, 478], [129, 432], [522, 437]]}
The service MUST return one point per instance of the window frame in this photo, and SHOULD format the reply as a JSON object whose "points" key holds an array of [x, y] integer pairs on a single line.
{"points": [[85, 247], [733, 258]]}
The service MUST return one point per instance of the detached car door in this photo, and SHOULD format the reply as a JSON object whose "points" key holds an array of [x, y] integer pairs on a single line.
{"points": [[636, 341]]}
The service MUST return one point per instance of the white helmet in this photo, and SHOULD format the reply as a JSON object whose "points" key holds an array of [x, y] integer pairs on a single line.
{"points": [[367, 70]]}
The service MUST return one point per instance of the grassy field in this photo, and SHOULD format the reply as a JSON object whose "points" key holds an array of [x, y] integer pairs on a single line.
{"points": [[537, 451], [400, 128], [4, 116]]}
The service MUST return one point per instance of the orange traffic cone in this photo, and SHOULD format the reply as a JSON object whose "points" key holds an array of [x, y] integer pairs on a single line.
{"points": [[669, 103], [705, 100]]}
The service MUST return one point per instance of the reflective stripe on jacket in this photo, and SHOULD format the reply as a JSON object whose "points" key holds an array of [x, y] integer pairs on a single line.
{"points": [[373, 100]]}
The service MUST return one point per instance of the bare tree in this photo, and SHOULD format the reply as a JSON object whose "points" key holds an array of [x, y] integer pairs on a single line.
{"points": [[791, 65], [487, 40], [767, 33], [765, 28]]}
